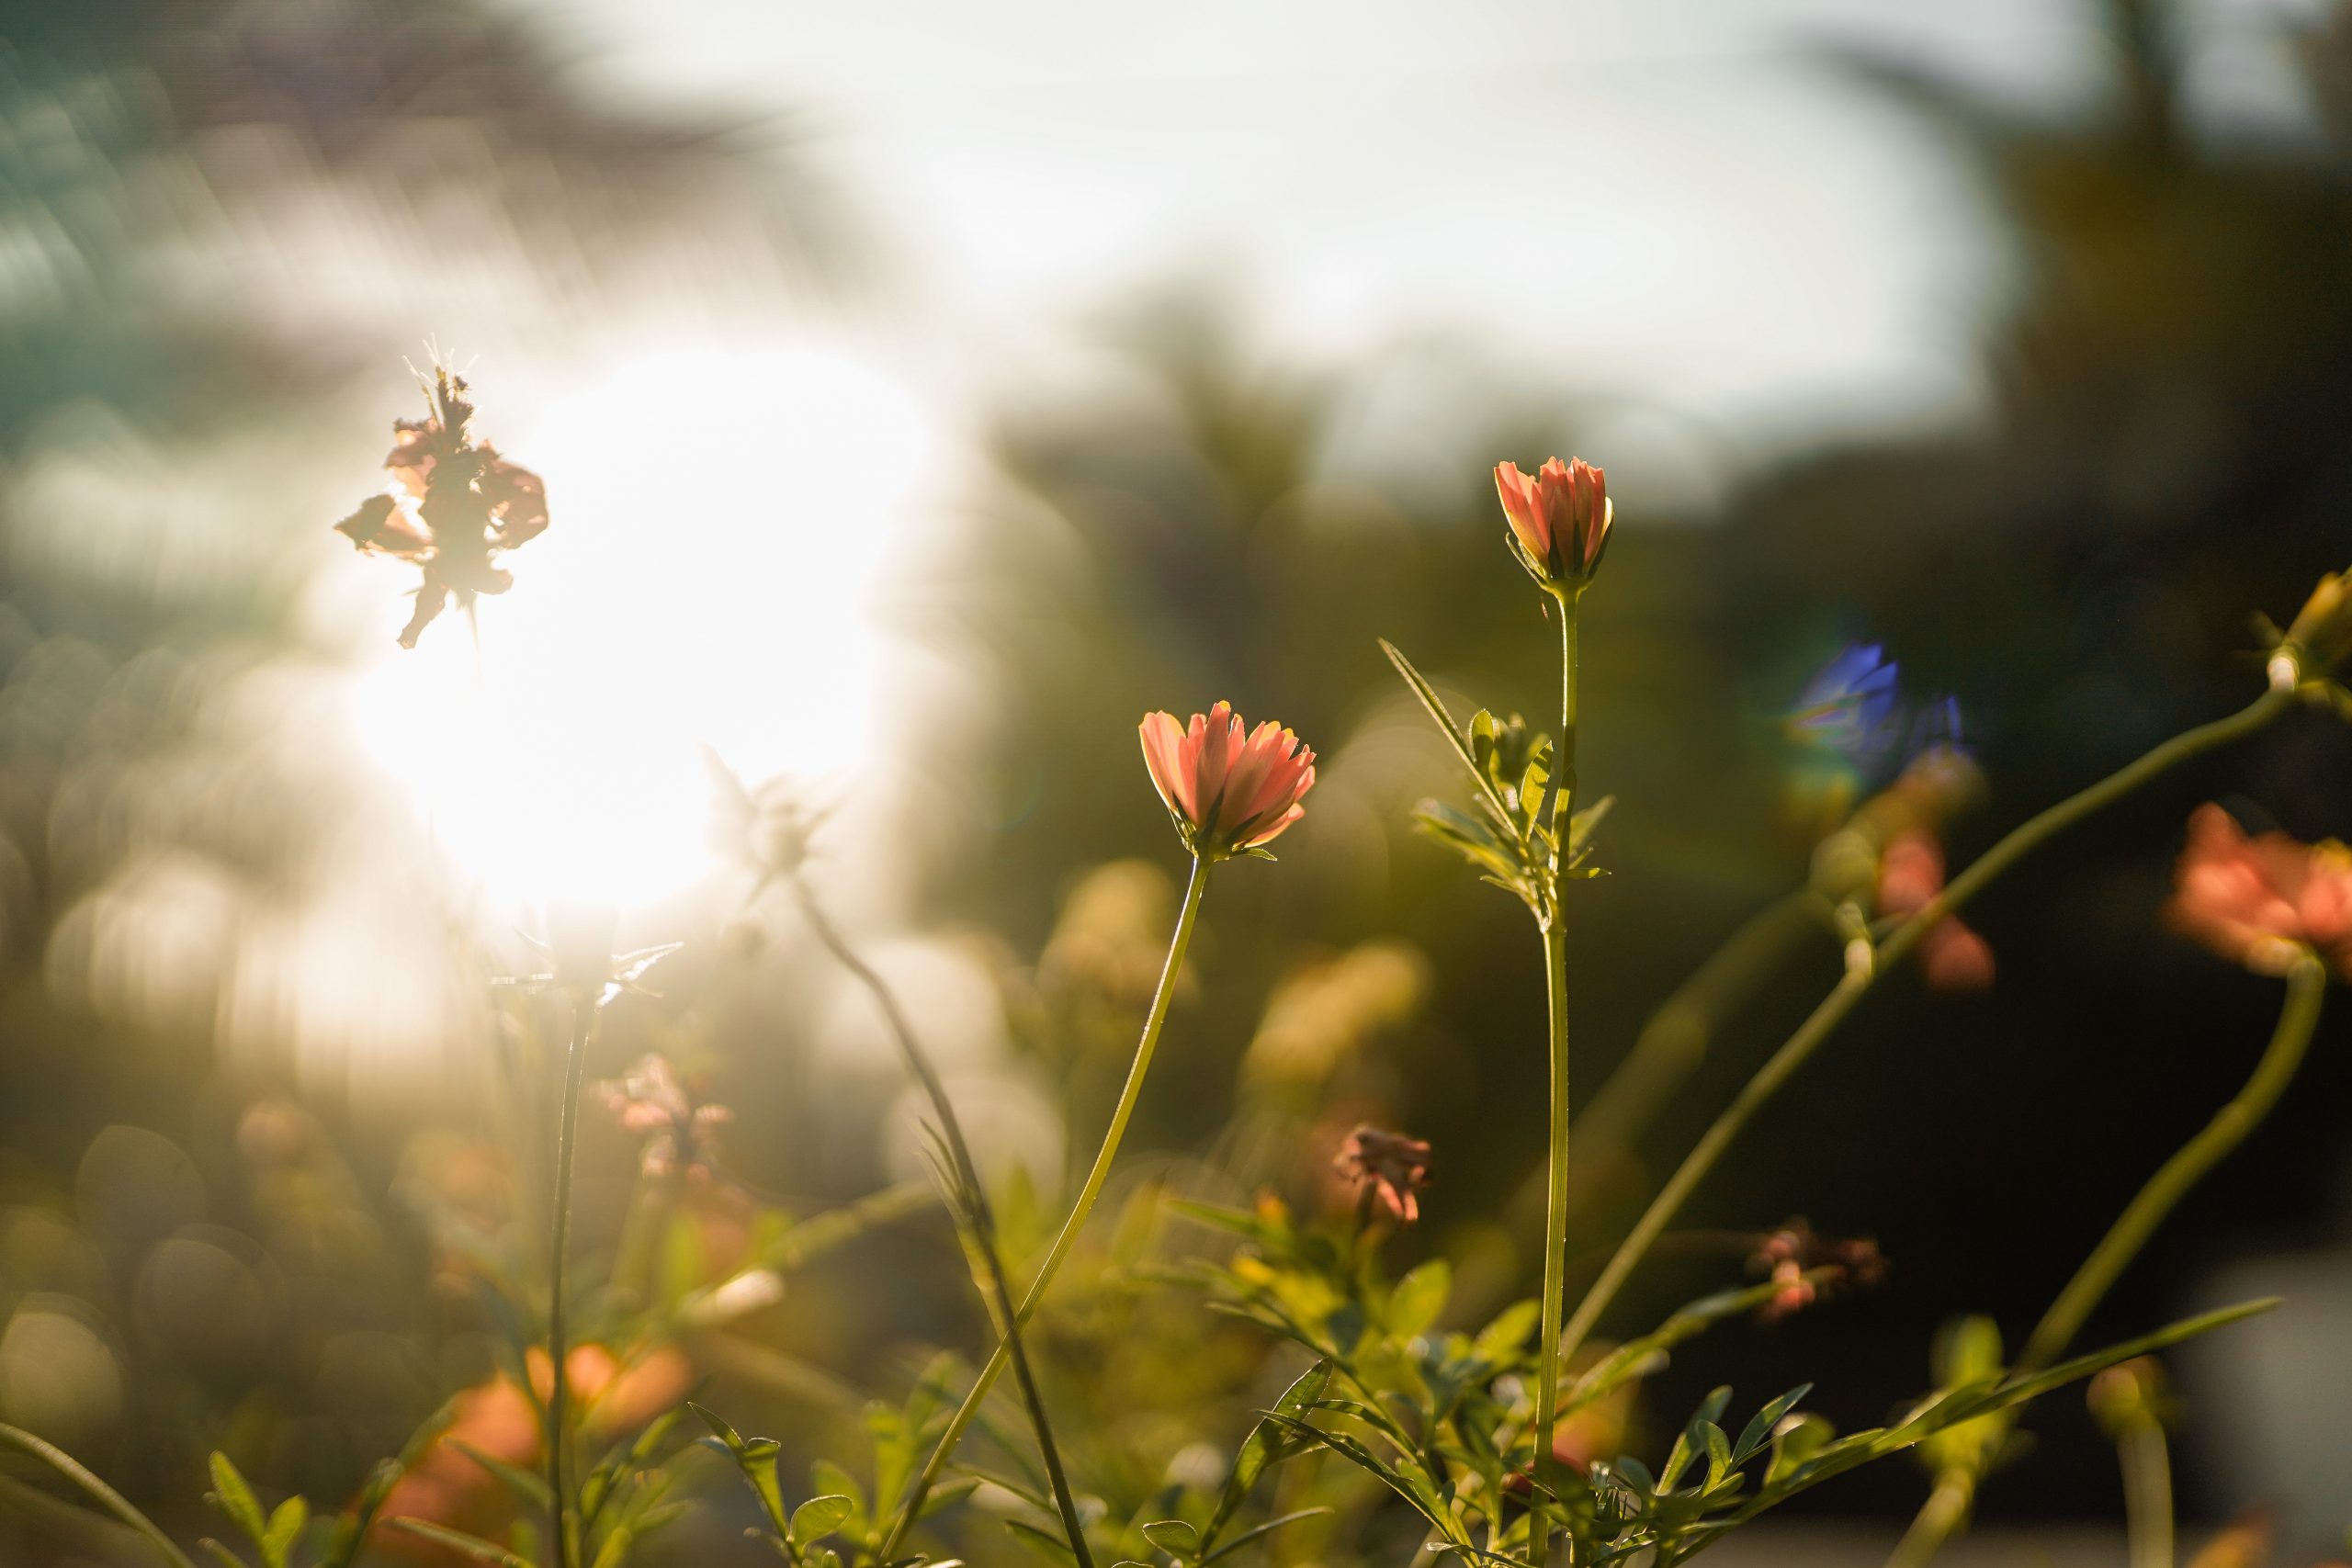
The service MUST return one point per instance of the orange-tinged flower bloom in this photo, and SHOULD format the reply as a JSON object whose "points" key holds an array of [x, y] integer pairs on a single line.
{"points": [[1230, 793], [1388, 1168], [2262, 901], [1559, 518]]}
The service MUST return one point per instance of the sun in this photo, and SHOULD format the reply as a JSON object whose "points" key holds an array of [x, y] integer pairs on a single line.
{"points": [[721, 519]]}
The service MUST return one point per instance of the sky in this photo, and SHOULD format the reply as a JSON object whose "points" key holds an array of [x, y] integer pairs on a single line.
{"points": [[1687, 215]]}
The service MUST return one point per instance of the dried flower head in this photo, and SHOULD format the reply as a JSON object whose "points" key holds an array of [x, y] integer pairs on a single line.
{"points": [[1559, 519], [2265, 901], [678, 1129], [1805, 1267], [1229, 794], [452, 508], [1388, 1168], [768, 826]]}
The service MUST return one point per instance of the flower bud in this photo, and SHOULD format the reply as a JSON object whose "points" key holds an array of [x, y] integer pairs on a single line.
{"points": [[1559, 520]]}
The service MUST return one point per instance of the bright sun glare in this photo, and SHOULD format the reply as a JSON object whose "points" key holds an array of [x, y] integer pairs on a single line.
{"points": [[719, 520]]}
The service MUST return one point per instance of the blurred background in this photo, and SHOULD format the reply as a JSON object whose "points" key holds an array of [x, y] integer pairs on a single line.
{"points": [[923, 392]]}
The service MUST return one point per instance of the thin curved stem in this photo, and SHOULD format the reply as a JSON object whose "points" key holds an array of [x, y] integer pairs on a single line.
{"points": [[2306, 987], [583, 1013], [105, 1496], [1088, 1193], [1864, 966], [1946, 1509], [980, 1220]]}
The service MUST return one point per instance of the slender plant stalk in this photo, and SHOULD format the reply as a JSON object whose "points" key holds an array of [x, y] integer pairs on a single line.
{"points": [[1865, 966], [979, 1219], [583, 1013], [2306, 987], [1091, 1189], [1670, 1047], [1946, 1509], [1555, 977], [2147, 1494], [105, 1496]]}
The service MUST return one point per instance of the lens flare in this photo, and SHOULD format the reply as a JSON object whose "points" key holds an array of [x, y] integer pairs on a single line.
{"points": [[721, 519]]}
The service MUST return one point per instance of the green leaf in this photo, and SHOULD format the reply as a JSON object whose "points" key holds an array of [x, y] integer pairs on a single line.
{"points": [[614, 1552], [719, 1428], [1634, 1358], [285, 1529], [758, 1463], [1501, 1340], [1407, 1477], [1435, 705], [219, 1553], [1796, 1445], [235, 1499], [1419, 1297], [1581, 825], [351, 1533], [1266, 1444], [1759, 1428], [471, 1546], [525, 1484], [1471, 838], [1173, 1537], [1254, 1533], [831, 1481], [1053, 1548], [1718, 1451], [820, 1516], [1836, 1458]]}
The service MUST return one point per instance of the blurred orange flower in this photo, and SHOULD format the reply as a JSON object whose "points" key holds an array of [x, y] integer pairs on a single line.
{"points": [[447, 1486], [1559, 518], [453, 507], [1228, 794], [2262, 901]]}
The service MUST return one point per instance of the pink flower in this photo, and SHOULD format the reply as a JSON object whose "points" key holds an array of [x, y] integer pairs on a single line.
{"points": [[1910, 874], [1559, 518], [651, 1102], [1388, 1168], [2262, 901], [1228, 794]]}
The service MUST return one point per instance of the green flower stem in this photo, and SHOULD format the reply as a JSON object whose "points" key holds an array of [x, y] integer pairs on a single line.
{"points": [[980, 1220], [1091, 1189], [1865, 966], [2306, 987], [1555, 1225], [2147, 1494], [1556, 977], [1945, 1511], [583, 1013], [105, 1496]]}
